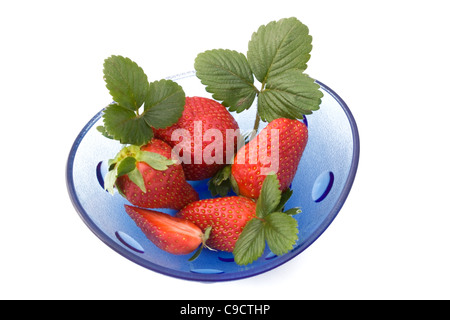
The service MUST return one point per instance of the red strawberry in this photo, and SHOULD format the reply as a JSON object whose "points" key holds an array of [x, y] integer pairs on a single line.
{"points": [[148, 178], [250, 174], [234, 224], [199, 115], [227, 216], [171, 234]]}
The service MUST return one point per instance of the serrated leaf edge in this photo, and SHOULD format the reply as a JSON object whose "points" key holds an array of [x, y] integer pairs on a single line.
{"points": [[265, 225]]}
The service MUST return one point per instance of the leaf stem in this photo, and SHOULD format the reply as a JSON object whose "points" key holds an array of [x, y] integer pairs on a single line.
{"points": [[258, 118], [256, 124]]}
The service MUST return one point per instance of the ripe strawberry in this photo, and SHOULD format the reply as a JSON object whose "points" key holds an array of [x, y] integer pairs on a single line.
{"points": [[227, 216], [199, 115], [249, 174], [234, 224], [171, 234], [147, 177]]}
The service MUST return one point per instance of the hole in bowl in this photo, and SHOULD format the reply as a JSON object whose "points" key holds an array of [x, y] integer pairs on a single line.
{"points": [[271, 256], [226, 256], [98, 171], [207, 271], [101, 171], [322, 186], [129, 241], [305, 121]]}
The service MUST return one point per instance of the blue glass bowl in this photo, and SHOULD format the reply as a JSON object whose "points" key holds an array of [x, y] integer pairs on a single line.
{"points": [[321, 186]]}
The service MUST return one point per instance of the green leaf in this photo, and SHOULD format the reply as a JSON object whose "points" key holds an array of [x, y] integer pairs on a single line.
{"points": [[196, 253], [220, 183], [124, 120], [293, 211], [125, 161], [228, 77], [103, 131], [234, 184], [277, 47], [270, 196], [250, 244], [123, 125], [279, 229], [126, 82], [285, 196], [137, 178], [110, 180], [290, 94], [222, 175], [154, 160], [281, 232], [164, 104], [222, 189], [200, 249], [277, 56], [125, 166]]}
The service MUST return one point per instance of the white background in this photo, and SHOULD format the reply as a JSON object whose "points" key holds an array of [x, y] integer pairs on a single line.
{"points": [[389, 60]]}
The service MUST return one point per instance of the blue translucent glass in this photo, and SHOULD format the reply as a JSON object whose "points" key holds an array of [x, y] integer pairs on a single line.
{"points": [[321, 186]]}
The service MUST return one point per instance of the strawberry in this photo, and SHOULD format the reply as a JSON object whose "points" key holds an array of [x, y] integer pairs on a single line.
{"points": [[282, 156], [199, 116], [242, 226], [227, 216], [171, 234], [147, 177], [143, 171]]}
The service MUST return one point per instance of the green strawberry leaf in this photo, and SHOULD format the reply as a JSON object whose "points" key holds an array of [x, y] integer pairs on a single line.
{"points": [[125, 161], [279, 46], [250, 244], [164, 104], [270, 196], [234, 185], [278, 229], [196, 253], [155, 160], [220, 183], [124, 125], [200, 248], [125, 166], [103, 131], [110, 180], [228, 77], [137, 178], [290, 94], [280, 232], [138, 105], [126, 81], [293, 211], [285, 196], [277, 56]]}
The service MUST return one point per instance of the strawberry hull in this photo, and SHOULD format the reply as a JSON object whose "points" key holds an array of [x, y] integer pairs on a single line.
{"points": [[164, 189]]}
